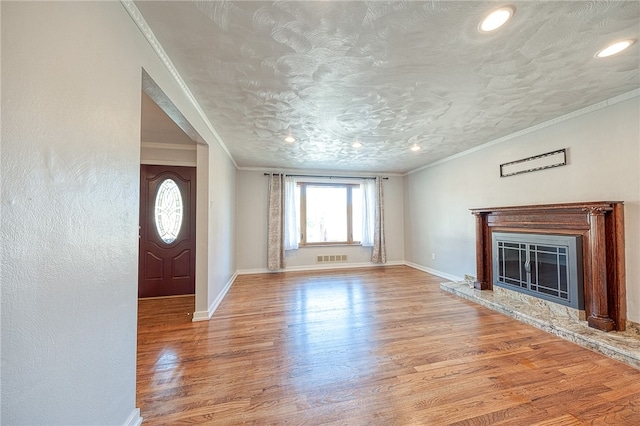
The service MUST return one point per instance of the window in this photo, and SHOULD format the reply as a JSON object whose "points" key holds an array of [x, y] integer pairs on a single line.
{"points": [[329, 213], [168, 211]]}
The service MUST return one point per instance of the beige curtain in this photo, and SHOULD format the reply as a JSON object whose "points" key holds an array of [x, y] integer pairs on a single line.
{"points": [[379, 253], [275, 250]]}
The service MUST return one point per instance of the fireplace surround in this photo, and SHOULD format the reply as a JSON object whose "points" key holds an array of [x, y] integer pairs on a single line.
{"points": [[600, 227]]}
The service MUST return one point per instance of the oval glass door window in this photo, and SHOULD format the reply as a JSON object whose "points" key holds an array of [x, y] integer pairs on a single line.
{"points": [[168, 211]]}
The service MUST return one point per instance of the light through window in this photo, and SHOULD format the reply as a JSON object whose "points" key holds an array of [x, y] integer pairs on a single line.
{"points": [[326, 214], [168, 211], [356, 217], [330, 213]]}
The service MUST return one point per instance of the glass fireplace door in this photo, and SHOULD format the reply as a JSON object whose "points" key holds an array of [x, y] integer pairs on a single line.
{"points": [[545, 266]]}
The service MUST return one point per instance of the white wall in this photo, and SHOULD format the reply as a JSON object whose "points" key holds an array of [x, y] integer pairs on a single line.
{"points": [[252, 228], [222, 225], [71, 74], [603, 165], [168, 155]]}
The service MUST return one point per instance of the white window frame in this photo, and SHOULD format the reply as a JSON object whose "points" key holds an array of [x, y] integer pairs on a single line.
{"points": [[349, 213]]}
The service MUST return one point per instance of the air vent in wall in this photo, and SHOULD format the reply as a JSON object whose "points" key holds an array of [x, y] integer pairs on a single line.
{"points": [[331, 258]]}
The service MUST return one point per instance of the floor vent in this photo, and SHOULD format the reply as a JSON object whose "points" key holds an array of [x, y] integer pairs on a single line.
{"points": [[331, 258]]}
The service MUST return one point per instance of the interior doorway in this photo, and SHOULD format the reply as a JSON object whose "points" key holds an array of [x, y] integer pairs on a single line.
{"points": [[168, 139]]}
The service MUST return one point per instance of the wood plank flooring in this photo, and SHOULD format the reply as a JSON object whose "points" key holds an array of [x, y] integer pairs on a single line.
{"points": [[382, 346]]}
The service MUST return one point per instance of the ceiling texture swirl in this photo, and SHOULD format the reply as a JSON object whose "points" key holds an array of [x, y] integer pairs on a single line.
{"points": [[388, 74]]}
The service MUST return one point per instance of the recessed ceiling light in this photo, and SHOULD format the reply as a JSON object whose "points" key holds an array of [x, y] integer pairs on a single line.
{"points": [[290, 139], [614, 48], [496, 19], [357, 144], [415, 148]]}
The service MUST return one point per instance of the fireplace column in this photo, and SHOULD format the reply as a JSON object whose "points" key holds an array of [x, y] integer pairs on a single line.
{"points": [[483, 253], [599, 317]]}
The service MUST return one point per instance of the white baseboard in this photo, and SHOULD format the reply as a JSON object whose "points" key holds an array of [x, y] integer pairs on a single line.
{"points": [[434, 272], [134, 418], [206, 315], [201, 316], [303, 268], [254, 271]]}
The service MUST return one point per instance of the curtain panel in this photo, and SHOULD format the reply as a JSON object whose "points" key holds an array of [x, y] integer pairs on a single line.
{"points": [[282, 221], [373, 219], [291, 222], [275, 248], [368, 211], [379, 252]]}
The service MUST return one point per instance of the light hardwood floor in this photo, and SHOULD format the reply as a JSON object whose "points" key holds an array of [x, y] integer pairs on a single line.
{"points": [[381, 346]]}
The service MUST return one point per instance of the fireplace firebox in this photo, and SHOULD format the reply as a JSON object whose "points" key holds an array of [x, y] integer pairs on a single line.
{"points": [[544, 266]]}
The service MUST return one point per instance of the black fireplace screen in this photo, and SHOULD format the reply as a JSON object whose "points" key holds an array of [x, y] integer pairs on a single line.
{"points": [[545, 266]]}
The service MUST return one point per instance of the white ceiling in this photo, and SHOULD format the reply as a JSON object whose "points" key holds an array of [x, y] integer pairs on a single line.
{"points": [[390, 74]]}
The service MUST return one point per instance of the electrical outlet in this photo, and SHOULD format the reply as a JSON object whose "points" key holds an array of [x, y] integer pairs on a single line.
{"points": [[433, 256]]}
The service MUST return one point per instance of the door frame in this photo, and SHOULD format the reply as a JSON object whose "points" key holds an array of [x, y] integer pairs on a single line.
{"points": [[151, 88]]}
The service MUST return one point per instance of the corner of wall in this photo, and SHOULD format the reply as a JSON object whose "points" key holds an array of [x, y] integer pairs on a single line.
{"points": [[134, 419], [206, 315]]}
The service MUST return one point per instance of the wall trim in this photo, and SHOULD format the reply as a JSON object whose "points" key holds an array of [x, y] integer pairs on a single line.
{"points": [[173, 146], [433, 272], [134, 418], [254, 271], [595, 107], [206, 315], [144, 28]]}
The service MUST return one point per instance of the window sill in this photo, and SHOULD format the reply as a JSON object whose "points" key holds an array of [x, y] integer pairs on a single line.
{"points": [[316, 245]]}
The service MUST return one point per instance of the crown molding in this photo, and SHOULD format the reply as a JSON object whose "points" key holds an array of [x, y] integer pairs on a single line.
{"points": [[595, 107], [144, 28], [336, 173]]}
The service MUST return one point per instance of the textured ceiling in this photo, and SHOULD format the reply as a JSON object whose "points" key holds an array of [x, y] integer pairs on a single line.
{"points": [[389, 74]]}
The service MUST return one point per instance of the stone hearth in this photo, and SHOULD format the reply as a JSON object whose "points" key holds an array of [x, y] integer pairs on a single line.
{"points": [[556, 319]]}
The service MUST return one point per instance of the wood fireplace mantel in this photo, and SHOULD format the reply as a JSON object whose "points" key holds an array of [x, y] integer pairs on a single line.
{"points": [[601, 226]]}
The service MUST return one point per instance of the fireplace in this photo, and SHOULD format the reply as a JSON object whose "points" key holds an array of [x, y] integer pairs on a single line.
{"points": [[596, 228]]}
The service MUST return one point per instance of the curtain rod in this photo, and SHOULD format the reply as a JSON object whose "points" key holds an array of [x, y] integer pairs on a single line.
{"points": [[329, 177]]}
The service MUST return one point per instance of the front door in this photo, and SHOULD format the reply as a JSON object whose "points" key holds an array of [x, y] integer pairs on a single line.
{"points": [[167, 231]]}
